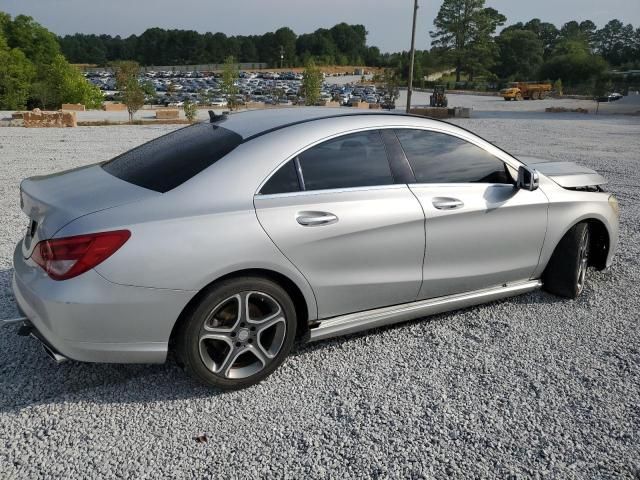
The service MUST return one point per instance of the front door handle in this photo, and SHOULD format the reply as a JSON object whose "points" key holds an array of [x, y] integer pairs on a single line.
{"points": [[314, 219], [447, 203]]}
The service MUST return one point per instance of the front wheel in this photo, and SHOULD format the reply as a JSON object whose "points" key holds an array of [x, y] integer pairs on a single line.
{"points": [[238, 334], [566, 271]]}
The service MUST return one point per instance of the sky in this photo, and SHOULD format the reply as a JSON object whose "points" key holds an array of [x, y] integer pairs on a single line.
{"points": [[387, 21]]}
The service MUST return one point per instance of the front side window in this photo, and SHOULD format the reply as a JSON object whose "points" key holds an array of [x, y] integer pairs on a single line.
{"points": [[354, 160], [440, 158]]}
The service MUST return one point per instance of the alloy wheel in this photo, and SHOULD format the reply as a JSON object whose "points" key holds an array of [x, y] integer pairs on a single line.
{"points": [[242, 335], [583, 260]]}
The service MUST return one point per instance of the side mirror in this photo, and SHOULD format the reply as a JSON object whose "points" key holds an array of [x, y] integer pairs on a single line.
{"points": [[528, 179]]}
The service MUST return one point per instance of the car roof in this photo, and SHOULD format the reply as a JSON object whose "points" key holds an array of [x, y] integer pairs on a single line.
{"points": [[255, 123]]}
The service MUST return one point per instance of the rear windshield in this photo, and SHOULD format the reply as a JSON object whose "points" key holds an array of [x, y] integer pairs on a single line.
{"points": [[168, 161]]}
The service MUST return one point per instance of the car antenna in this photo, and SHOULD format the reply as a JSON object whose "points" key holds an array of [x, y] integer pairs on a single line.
{"points": [[216, 118]]}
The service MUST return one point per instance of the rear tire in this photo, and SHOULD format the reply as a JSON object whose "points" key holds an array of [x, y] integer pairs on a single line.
{"points": [[566, 271], [239, 333]]}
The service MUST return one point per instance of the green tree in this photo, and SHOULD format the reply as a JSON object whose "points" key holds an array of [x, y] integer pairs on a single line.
{"points": [[615, 42], [573, 63], [547, 33], [34, 72], [63, 83], [557, 86], [16, 75], [127, 83], [463, 31], [37, 43], [311, 83], [589, 30], [230, 76], [521, 55], [483, 51], [390, 87], [190, 110], [148, 88], [286, 39]]}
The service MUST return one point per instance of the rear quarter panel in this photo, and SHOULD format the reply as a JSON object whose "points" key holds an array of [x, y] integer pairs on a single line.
{"points": [[187, 252]]}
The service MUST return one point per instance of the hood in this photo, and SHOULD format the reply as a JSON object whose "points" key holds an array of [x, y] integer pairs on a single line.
{"points": [[565, 174]]}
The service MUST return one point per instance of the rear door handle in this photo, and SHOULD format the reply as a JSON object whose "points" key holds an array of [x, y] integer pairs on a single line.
{"points": [[314, 219], [447, 203]]}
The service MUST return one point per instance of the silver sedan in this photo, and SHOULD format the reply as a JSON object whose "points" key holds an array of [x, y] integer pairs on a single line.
{"points": [[224, 242]]}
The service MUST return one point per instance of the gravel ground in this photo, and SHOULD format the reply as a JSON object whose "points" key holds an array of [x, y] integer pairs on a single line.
{"points": [[529, 387]]}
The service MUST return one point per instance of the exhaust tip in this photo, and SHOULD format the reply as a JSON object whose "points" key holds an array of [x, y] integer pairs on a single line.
{"points": [[55, 356]]}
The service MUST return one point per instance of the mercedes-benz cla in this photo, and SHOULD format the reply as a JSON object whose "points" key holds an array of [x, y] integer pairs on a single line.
{"points": [[224, 242]]}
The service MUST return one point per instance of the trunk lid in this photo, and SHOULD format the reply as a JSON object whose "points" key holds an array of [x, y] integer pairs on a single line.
{"points": [[566, 174], [52, 201]]}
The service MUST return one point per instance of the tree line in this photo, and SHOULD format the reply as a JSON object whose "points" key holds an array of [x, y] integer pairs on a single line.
{"points": [[579, 54], [465, 37], [35, 65], [342, 44]]}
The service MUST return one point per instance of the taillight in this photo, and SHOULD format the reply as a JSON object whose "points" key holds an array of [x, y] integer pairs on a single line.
{"points": [[64, 258]]}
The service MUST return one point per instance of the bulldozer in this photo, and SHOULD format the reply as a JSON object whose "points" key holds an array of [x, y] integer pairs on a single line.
{"points": [[439, 97]]}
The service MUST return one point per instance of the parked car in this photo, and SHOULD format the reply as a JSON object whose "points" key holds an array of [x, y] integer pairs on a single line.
{"points": [[612, 97], [218, 102], [354, 101], [226, 242]]}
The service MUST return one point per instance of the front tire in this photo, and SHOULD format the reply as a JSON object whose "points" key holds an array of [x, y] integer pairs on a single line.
{"points": [[565, 274], [239, 333]]}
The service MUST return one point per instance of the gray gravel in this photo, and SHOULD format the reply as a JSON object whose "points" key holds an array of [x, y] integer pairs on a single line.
{"points": [[531, 387]]}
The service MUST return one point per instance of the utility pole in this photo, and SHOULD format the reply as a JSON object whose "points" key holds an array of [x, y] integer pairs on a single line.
{"points": [[413, 55], [281, 56]]}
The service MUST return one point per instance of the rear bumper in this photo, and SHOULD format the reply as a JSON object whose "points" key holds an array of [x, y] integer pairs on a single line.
{"points": [[91, 319]]}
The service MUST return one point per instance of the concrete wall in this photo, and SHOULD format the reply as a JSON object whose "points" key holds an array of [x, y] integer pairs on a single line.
{"points": [[73, 107], [39, 119], [114, 107], [167, 114]]}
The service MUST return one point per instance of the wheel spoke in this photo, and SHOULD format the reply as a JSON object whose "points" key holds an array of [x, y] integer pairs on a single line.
{"points": [[259, 354], [269, 323], [229, 361], [255, 297], [215, 311], [222, 336], [204, 353], [276, 340], [243, 313]]}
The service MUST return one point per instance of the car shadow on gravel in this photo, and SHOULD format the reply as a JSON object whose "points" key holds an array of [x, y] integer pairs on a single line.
{"points": [[29, 377], [531, 299]]}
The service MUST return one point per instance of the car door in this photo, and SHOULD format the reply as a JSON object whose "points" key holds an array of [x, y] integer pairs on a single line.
{"points": [[336, 212], [481, 231]]}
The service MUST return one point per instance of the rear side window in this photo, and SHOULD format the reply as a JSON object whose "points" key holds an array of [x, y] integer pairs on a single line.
{"points": [[168, 161], [355, 160], [284, 180], [441, 158]]}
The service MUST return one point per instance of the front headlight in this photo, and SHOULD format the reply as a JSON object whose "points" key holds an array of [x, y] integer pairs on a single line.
{"points": [[615, 206]]}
